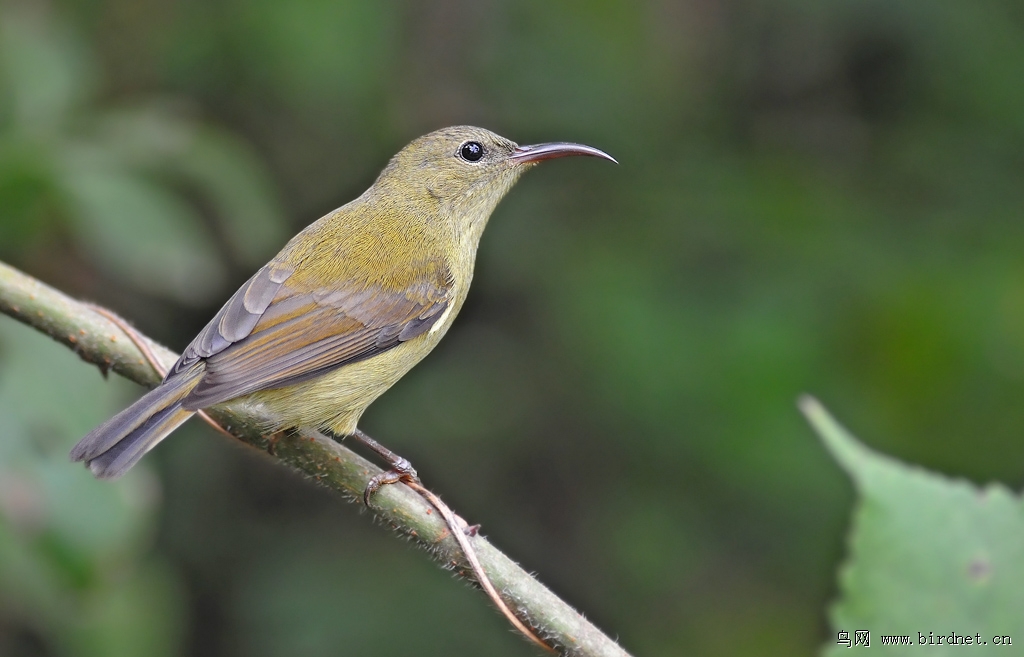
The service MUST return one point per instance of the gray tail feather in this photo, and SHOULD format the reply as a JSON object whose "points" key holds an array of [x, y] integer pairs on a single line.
{"points": [[125, 453], [116, 445]]}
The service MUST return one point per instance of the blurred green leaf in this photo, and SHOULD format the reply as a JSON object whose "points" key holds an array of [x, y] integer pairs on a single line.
{"points": [[219, 168], [43, 69], [70, 549], [135, 183], [141, 616], [318, 48], [249, 214], [928, 554], [28, 197], [139, 231]]}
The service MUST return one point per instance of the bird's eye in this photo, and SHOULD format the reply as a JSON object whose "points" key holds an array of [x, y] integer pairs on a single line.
{"points": [[471, 151]]}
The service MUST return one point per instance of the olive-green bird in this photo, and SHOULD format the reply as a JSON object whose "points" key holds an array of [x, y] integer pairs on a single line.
{"points": [[346, 308]]}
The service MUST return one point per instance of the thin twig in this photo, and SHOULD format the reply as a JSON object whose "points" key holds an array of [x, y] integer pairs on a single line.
{"points": [[459, 534]]}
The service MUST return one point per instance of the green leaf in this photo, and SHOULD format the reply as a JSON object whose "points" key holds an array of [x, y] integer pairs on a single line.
{"points": [[27, 195], [223, 170], [44, 71], [929, 556], [140, 616], [239, 189], [140, 231], [49, 399], [67, 528], [73, 562]]}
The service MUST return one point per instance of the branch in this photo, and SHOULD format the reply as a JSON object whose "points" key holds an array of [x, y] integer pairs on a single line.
{"points": [[99, 341]]}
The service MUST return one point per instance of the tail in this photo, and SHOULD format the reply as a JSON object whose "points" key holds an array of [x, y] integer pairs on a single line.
{"points": [[116, 445]]}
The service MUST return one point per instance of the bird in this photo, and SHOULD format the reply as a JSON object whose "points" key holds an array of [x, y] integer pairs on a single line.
{"points": [[348, 306]]}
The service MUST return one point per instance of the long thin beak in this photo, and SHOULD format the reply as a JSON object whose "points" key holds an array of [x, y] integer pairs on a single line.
{"points": [[541, 152]]}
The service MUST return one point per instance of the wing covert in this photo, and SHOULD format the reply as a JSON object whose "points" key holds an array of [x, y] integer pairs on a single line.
{"points": [[237, 318], [274, 333]]}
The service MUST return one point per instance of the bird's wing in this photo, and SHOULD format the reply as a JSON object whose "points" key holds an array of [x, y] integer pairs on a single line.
{"points": [[274, 332]]}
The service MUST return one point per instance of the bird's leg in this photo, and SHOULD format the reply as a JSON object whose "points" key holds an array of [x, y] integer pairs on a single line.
{"points": [[401, 469]]}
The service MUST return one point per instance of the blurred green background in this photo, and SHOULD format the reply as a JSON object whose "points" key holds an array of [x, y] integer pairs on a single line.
{"points": [[821, 197]]}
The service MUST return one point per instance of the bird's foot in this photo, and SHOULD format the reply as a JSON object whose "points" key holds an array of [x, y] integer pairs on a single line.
{"points": [[401, 470]]}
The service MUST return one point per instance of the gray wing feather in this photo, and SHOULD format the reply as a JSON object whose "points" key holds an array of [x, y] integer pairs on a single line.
{"points": [[269, 335], [238, 317]]}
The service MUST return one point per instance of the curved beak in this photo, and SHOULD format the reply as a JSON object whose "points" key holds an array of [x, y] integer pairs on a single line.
{"points": [[541, 152]]}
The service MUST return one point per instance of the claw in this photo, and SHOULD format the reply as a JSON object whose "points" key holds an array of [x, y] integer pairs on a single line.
{"points": [[401, 470]]}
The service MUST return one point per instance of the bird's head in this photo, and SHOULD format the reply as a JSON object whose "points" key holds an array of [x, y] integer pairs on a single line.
{"points": [[464, 171]]}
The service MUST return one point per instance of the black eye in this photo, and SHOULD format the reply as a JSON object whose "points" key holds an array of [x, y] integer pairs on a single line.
{"points": [[471, 151]]}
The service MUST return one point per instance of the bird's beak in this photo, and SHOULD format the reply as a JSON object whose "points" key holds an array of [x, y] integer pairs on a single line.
{"points": [[541, 152]]}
